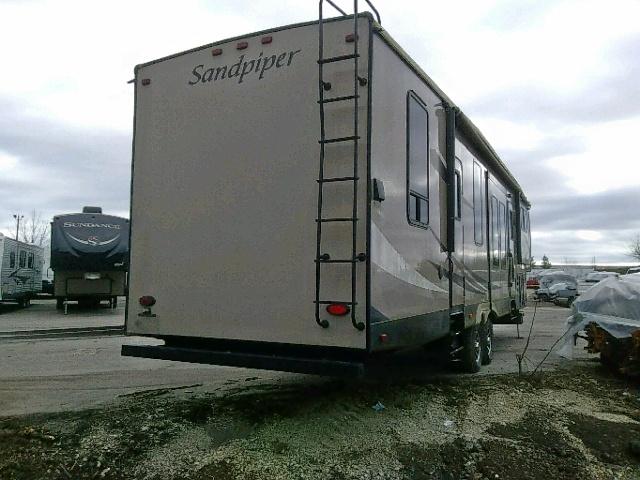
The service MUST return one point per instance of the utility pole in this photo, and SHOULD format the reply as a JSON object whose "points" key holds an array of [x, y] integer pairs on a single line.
{"points": [[18, 217]]}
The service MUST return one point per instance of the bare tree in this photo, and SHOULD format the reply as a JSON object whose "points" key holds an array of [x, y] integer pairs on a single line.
{"points": [[34, 229], [634, 248]]}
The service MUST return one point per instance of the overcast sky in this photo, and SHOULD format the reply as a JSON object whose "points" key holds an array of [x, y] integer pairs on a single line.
{"points": [[554, 86]]}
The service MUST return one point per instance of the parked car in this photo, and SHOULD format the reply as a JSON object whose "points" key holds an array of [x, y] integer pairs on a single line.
{"points": [[595, 277], [563, 293], [548, 280], [533, 282]]}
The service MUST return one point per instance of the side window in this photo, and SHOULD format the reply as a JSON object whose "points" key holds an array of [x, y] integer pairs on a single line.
{"points": [[22, 259], [478, 204], [524, 220], [503, 235], [12, 260], [417, 161], [495, 233], [458, 190], [30, 260]]}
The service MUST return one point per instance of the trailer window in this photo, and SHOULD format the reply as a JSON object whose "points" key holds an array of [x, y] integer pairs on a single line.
{"points": [[525, 220], [12, 260], [495, 233], [478, 203], [502, 230], [458, 189], [30, 260], [417, 161], [22, 259]]}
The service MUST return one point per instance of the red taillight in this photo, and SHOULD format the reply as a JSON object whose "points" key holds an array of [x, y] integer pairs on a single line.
{"points": [[384, 337], [338, 309], [147, 301]]}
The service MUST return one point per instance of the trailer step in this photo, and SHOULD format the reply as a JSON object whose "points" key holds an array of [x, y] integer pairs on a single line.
{"points": [[337, 219], [337, 179], [340, 139], [339, 58], [339, 99]]}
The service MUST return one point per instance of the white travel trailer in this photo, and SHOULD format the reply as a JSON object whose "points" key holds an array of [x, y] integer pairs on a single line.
{"points": [[306, 197], [20, 271]]}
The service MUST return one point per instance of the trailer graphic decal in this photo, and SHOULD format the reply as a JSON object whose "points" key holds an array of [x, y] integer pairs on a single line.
{"points": [[257, 66], [390, 260], [94, 241]]}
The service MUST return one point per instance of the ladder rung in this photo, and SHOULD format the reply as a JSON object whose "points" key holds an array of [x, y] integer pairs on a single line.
{"points": [[337, 179], [337, 261], [340, 139], [338, 99], [338, 58], [330, 302], [337, 219]]}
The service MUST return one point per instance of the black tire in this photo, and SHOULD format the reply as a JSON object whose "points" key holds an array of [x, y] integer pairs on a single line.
{"points": [[59, 303], [486, 342], [22, 303], [472, 351]]}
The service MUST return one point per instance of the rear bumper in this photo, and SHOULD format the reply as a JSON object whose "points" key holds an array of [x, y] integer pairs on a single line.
{"points": [[263, 361]]}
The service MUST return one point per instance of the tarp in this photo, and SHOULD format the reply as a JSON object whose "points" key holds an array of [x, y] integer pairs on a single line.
{"points": [[89, 241], [613, 304]]}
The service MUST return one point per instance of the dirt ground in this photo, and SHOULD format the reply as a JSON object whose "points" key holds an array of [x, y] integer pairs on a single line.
{"points": [[573, 423]]}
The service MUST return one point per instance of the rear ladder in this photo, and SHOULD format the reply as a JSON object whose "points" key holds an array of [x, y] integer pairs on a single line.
{"points": [[325, 86]]}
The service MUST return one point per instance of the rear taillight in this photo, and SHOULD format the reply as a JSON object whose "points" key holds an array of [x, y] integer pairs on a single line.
{"points": [[147, 301], [338, 309]]}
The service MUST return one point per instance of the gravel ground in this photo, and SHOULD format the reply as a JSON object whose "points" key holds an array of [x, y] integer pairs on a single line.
{"points": [[576, 423]]}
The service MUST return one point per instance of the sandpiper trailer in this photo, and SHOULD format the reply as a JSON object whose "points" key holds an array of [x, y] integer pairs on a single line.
{"points": [[89, 257], [20, 271], [305, 198]]}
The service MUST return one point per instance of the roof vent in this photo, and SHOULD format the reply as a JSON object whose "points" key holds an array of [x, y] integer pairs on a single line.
{"points": [[91, 209]]}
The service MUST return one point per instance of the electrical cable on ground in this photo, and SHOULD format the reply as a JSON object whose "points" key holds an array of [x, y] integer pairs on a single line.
{"points": [[522, 356]]}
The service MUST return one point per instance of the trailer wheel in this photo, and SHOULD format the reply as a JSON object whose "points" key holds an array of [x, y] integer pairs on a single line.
{"points": [[487, 342], [472, 349]]}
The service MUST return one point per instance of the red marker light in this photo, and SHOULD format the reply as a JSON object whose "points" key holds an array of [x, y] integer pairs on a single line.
{"points": [[383, 337], [242, 45], [147, 301], [338, 309], [216, 51], [267, 39], [349, 38]]}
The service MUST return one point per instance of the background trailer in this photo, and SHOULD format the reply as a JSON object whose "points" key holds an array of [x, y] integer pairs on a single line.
{"points": [[20, 271], [89, 257], [306, 197]]}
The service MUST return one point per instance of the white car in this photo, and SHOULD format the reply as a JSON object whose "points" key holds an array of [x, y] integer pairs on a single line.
{"points": [[595, 277]]}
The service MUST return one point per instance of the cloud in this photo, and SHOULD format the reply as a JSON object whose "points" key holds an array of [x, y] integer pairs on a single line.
{"points": [[56, 168], [612, 92]]}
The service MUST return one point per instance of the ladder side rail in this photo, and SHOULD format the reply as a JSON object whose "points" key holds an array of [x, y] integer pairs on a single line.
{"points": [[322, 322], [354, 244]]}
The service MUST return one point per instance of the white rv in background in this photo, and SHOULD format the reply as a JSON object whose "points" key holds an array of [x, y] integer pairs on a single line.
{"points": [[305, 198], [20, 271]]}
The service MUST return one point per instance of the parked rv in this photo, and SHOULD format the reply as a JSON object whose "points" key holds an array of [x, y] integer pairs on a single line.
{"points": [[306, 198], [89, 257], [20, 271]]}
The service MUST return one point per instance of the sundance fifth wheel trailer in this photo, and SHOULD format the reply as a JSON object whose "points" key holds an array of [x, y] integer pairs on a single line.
{"points": [[305, 198]]}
